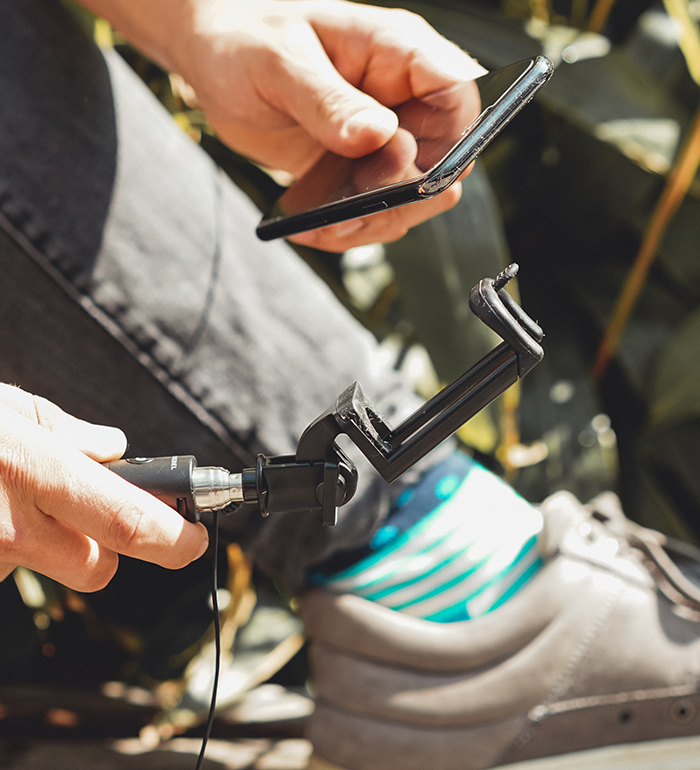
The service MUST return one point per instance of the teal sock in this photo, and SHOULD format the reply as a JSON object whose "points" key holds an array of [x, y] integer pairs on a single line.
{"points": [[457, 545]]}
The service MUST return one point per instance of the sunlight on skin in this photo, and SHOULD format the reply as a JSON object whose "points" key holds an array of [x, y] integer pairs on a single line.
{"points": [[63, 514], [308, 75]]}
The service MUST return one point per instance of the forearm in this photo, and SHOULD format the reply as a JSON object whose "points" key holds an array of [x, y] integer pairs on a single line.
{"points": [[157, 27]]}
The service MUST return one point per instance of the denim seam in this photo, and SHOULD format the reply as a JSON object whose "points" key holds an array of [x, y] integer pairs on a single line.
{"points": [[20, 224]]}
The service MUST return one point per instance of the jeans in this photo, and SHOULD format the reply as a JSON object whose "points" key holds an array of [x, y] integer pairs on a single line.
{"points": [[135, 292]]}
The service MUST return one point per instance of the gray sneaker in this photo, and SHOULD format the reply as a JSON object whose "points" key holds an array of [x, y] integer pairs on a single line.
{"points": [[594, 664]]}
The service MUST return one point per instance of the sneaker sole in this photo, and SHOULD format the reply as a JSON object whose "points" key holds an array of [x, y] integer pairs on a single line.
{"points": [[670, 754]]}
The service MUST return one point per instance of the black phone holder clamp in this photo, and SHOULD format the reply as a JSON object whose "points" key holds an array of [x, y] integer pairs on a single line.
{"points": [[320, 476]]}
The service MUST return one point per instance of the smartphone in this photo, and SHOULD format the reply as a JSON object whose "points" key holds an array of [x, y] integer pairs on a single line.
{"points": [[438, 137]]}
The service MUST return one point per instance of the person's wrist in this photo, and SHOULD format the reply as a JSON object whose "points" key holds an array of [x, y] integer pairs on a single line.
{"points": [[161, 29], [200, 28]]}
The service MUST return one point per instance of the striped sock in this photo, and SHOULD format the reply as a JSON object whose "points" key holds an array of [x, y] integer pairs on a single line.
{"points": [[457, 545]]}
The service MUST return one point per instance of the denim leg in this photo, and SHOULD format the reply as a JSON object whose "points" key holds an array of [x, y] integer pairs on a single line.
{"points": [[136, 293]]}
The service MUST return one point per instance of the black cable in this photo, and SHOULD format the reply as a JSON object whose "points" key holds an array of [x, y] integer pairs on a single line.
{"points": [[217, 639]]}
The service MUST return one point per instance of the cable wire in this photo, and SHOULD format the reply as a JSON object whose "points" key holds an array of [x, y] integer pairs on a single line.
{"points": [[217, 639]]}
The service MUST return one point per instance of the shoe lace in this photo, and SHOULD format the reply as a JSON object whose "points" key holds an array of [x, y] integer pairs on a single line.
{"points": [[656, 551]]}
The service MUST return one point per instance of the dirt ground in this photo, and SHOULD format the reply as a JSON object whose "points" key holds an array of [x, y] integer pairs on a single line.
{"points": [[130, 754], [51, 729]]}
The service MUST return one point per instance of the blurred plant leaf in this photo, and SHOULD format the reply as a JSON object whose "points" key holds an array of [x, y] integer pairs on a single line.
{"points": [[675, 394], [689, 40], [674, 192]]}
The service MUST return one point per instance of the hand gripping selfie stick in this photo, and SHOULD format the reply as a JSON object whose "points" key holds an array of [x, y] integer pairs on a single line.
{"points": [[320, 476]]}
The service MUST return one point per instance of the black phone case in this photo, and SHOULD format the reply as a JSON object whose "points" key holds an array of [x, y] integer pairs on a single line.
{"points": [[435, 181]]}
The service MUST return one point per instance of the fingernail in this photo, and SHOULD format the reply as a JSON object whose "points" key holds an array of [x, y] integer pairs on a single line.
{"points": [[382, 121], [436, 96]]}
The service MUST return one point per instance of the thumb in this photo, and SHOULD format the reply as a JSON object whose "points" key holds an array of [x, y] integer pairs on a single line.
{"points": [[342, 118], [100, 442], [351, 123], [355, 130]]}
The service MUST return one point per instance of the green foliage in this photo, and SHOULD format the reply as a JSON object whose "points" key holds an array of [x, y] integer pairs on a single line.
{"points": [[675, 392]]}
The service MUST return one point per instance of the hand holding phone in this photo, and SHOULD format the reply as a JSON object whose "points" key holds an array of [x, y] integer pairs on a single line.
{"points": [[439, 136]]}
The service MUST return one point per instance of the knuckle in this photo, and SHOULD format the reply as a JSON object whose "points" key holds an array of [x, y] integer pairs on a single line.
{"points": [[407, 22], [35, 408], [16, 498], [274, 61], [410, 17], [96, 578], [330, 100], [45, 413], [122, 522]]}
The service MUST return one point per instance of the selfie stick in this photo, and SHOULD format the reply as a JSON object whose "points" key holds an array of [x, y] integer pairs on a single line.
{"points": [[320, 476]]}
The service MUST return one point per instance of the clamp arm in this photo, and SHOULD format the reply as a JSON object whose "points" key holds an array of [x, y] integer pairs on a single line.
{"points": [[320, 476]]}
